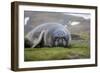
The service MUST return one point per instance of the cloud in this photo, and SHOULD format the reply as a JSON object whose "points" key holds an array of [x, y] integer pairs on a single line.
{"points": [[26, 20], [75, 23], [83, 15]]}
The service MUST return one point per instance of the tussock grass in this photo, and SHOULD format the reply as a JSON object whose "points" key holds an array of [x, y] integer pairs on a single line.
{"points": [[79, 49], [74, 51]]}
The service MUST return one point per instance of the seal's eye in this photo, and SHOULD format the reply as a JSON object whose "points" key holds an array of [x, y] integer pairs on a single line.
{"points": [[59, 33]]}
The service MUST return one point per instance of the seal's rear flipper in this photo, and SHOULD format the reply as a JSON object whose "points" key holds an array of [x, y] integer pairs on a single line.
{"points": [[27, 43]]}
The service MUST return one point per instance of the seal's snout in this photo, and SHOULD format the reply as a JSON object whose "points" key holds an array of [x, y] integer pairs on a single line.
{"points": [[60, 38]]}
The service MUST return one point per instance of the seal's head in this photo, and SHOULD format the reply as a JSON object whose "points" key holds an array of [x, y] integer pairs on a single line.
{"points": [[60, 38]]}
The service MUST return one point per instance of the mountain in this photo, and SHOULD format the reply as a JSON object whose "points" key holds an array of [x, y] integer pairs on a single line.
{"points": [[38, 18]]}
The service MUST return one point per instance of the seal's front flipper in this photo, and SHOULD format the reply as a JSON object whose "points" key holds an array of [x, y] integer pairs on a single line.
{"points": [[38, 41]]}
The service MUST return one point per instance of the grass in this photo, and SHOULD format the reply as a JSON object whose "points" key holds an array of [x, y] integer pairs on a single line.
{"points": [[77, 50]]}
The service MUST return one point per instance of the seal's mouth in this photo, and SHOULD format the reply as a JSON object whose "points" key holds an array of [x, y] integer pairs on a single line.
{"points": [[60, 42]]}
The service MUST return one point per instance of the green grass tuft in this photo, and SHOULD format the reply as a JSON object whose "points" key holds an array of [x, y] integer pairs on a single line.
{"points": [[79, 49], [56, 53]]}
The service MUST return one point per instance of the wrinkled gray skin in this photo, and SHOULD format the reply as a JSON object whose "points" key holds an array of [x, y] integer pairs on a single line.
{"points": [[49, 35]]}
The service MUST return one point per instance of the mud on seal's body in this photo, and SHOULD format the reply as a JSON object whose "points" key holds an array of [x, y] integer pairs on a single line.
{"points": [[48, 35]]}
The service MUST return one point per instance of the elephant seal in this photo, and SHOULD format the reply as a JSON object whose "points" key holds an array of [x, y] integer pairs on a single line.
{"points": [[48, 35]]}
